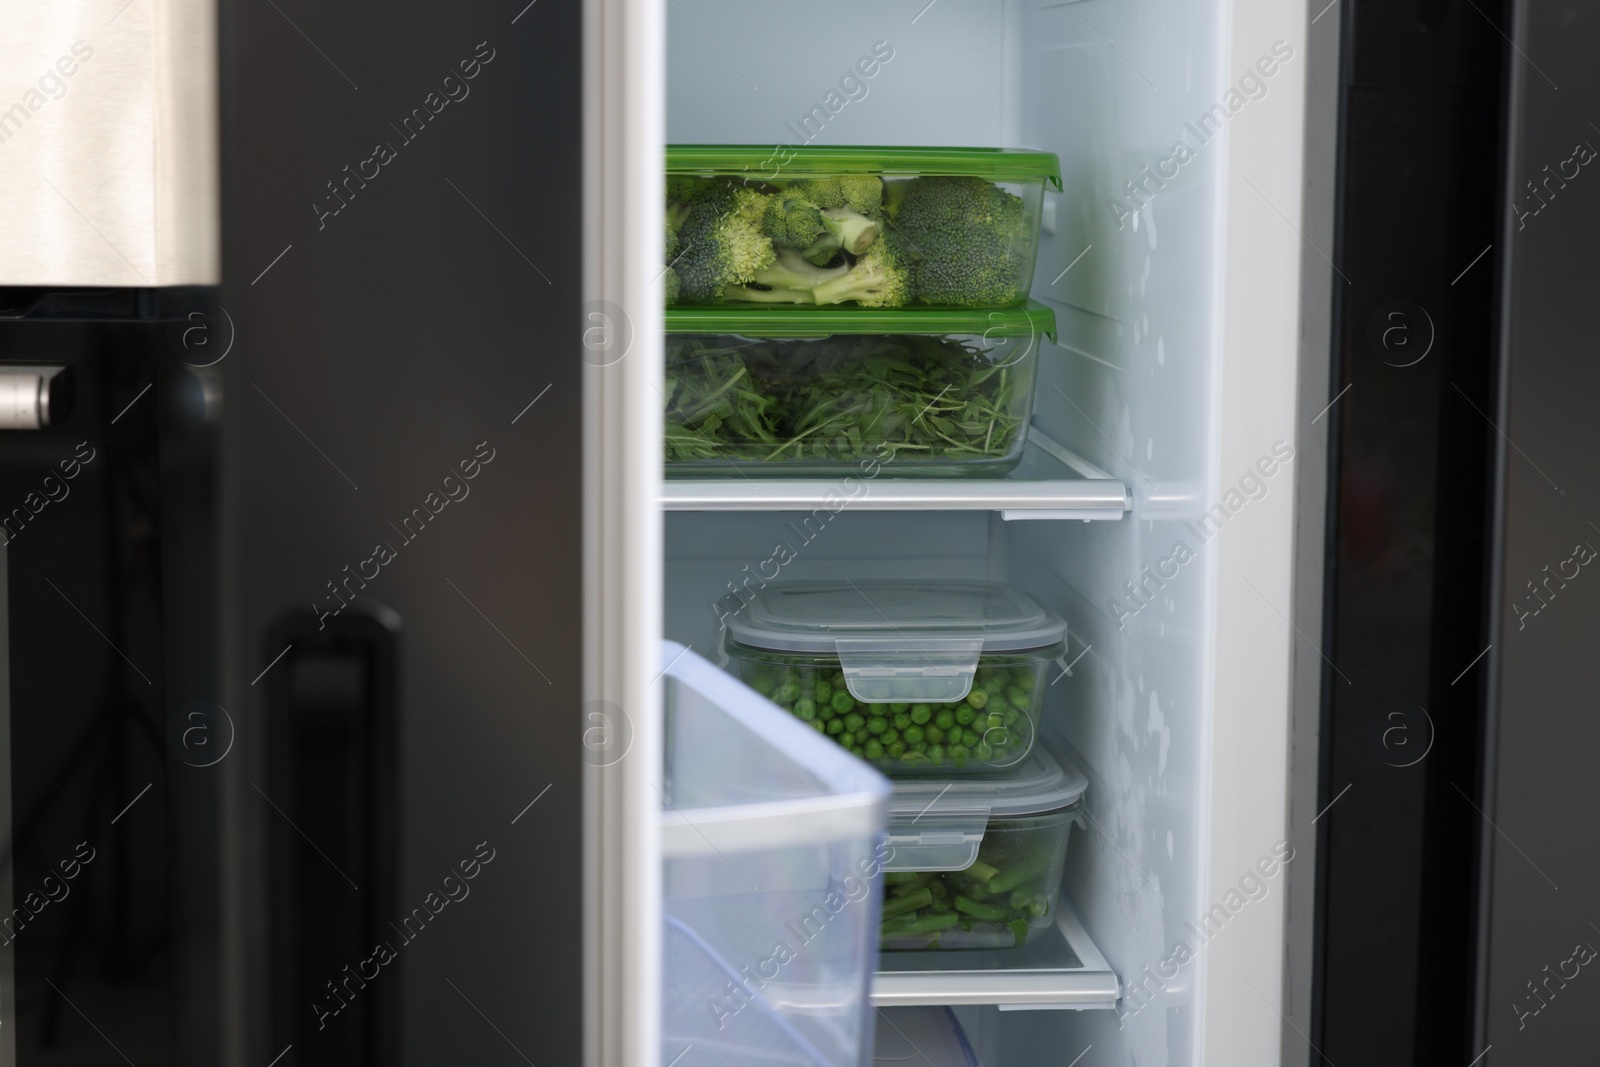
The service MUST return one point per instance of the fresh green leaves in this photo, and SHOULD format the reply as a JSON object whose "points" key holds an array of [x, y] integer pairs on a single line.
{"points": [[838, 399]]}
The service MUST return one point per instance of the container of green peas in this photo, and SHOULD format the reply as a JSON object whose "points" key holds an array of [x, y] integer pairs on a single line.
{"points": [[976, 863], [935, 677]]}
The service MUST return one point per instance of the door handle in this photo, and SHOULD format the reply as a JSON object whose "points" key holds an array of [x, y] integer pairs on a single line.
{"points": [[33, 397]]}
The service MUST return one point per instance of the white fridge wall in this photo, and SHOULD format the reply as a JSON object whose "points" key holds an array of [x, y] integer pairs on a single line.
{"points": [[1174, 379], [1176, 372], [1129, 389], [735, 78]]}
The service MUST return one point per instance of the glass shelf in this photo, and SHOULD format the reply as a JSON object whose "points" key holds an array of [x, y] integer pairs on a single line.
{"points": [[1051, 482], [1061, 969]]}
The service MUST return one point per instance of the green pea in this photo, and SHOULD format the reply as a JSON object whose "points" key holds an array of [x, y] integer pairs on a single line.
{"points": [[969, 738], [838, 681], [787, 693], [889, 736], [842, 701], [936, 753], [1011, 715], [821, 726], [835, 726], [913, 734], [877, 724], [762, 683], [978, 697], [965, 714], [1018, 698], [982, 751], [823, 693], [944, 719], [806, 708], [854, 721], [862, 737], [898, 708], [896, 749], [933, 734], [901, 720], [921, 713], [874, 750]]}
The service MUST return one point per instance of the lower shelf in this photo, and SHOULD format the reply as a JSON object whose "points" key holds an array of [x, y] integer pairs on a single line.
{"points": [[1051, 482], [1061, 969]]}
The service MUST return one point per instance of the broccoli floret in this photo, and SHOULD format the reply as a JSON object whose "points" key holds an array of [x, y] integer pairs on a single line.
{"points": [[682, 188], [790, 271], [855, 231], [862, 192], [722, 241], [893, 194], [789, 280], [823, 251], [792, 221], [969, 238], [823, 192], [671, 244], [750, 294], [881, 278], [676, 214]]}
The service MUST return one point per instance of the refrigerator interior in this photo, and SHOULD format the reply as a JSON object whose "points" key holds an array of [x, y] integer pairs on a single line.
{"points": [[1132, 387]]}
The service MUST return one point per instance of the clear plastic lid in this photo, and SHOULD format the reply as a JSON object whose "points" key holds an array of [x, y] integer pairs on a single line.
{"points": [[937, 825], [896, 640]]}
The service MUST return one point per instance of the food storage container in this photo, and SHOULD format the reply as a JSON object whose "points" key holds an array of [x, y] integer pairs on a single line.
{"points": [[942, 393], [872, 227], [773, 843], [977, 864], [916, 677]]}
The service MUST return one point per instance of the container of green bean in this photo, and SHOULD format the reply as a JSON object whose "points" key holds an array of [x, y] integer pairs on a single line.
{"points": [[977, 864], [933, 677]]}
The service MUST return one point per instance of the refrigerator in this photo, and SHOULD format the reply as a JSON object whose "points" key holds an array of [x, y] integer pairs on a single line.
{"points": [[334, 670], [1160, 519]]}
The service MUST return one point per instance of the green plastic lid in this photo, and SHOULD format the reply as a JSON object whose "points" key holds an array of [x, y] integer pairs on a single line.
{"points": [[1031, 320], [774, 163]]}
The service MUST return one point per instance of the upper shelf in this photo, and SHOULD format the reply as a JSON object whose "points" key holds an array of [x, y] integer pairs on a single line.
{"points": [[1061, 969], [1050, 483]]}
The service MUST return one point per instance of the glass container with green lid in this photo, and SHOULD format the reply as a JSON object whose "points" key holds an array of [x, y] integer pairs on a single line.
{"points": [[862, 226], [813, 391]]}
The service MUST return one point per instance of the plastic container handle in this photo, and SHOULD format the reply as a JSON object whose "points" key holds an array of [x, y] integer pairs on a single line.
{"points": [[946, 841], [908, 670]]}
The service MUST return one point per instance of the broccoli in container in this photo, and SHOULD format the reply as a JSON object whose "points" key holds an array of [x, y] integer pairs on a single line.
{"points": [[864, 227]]}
